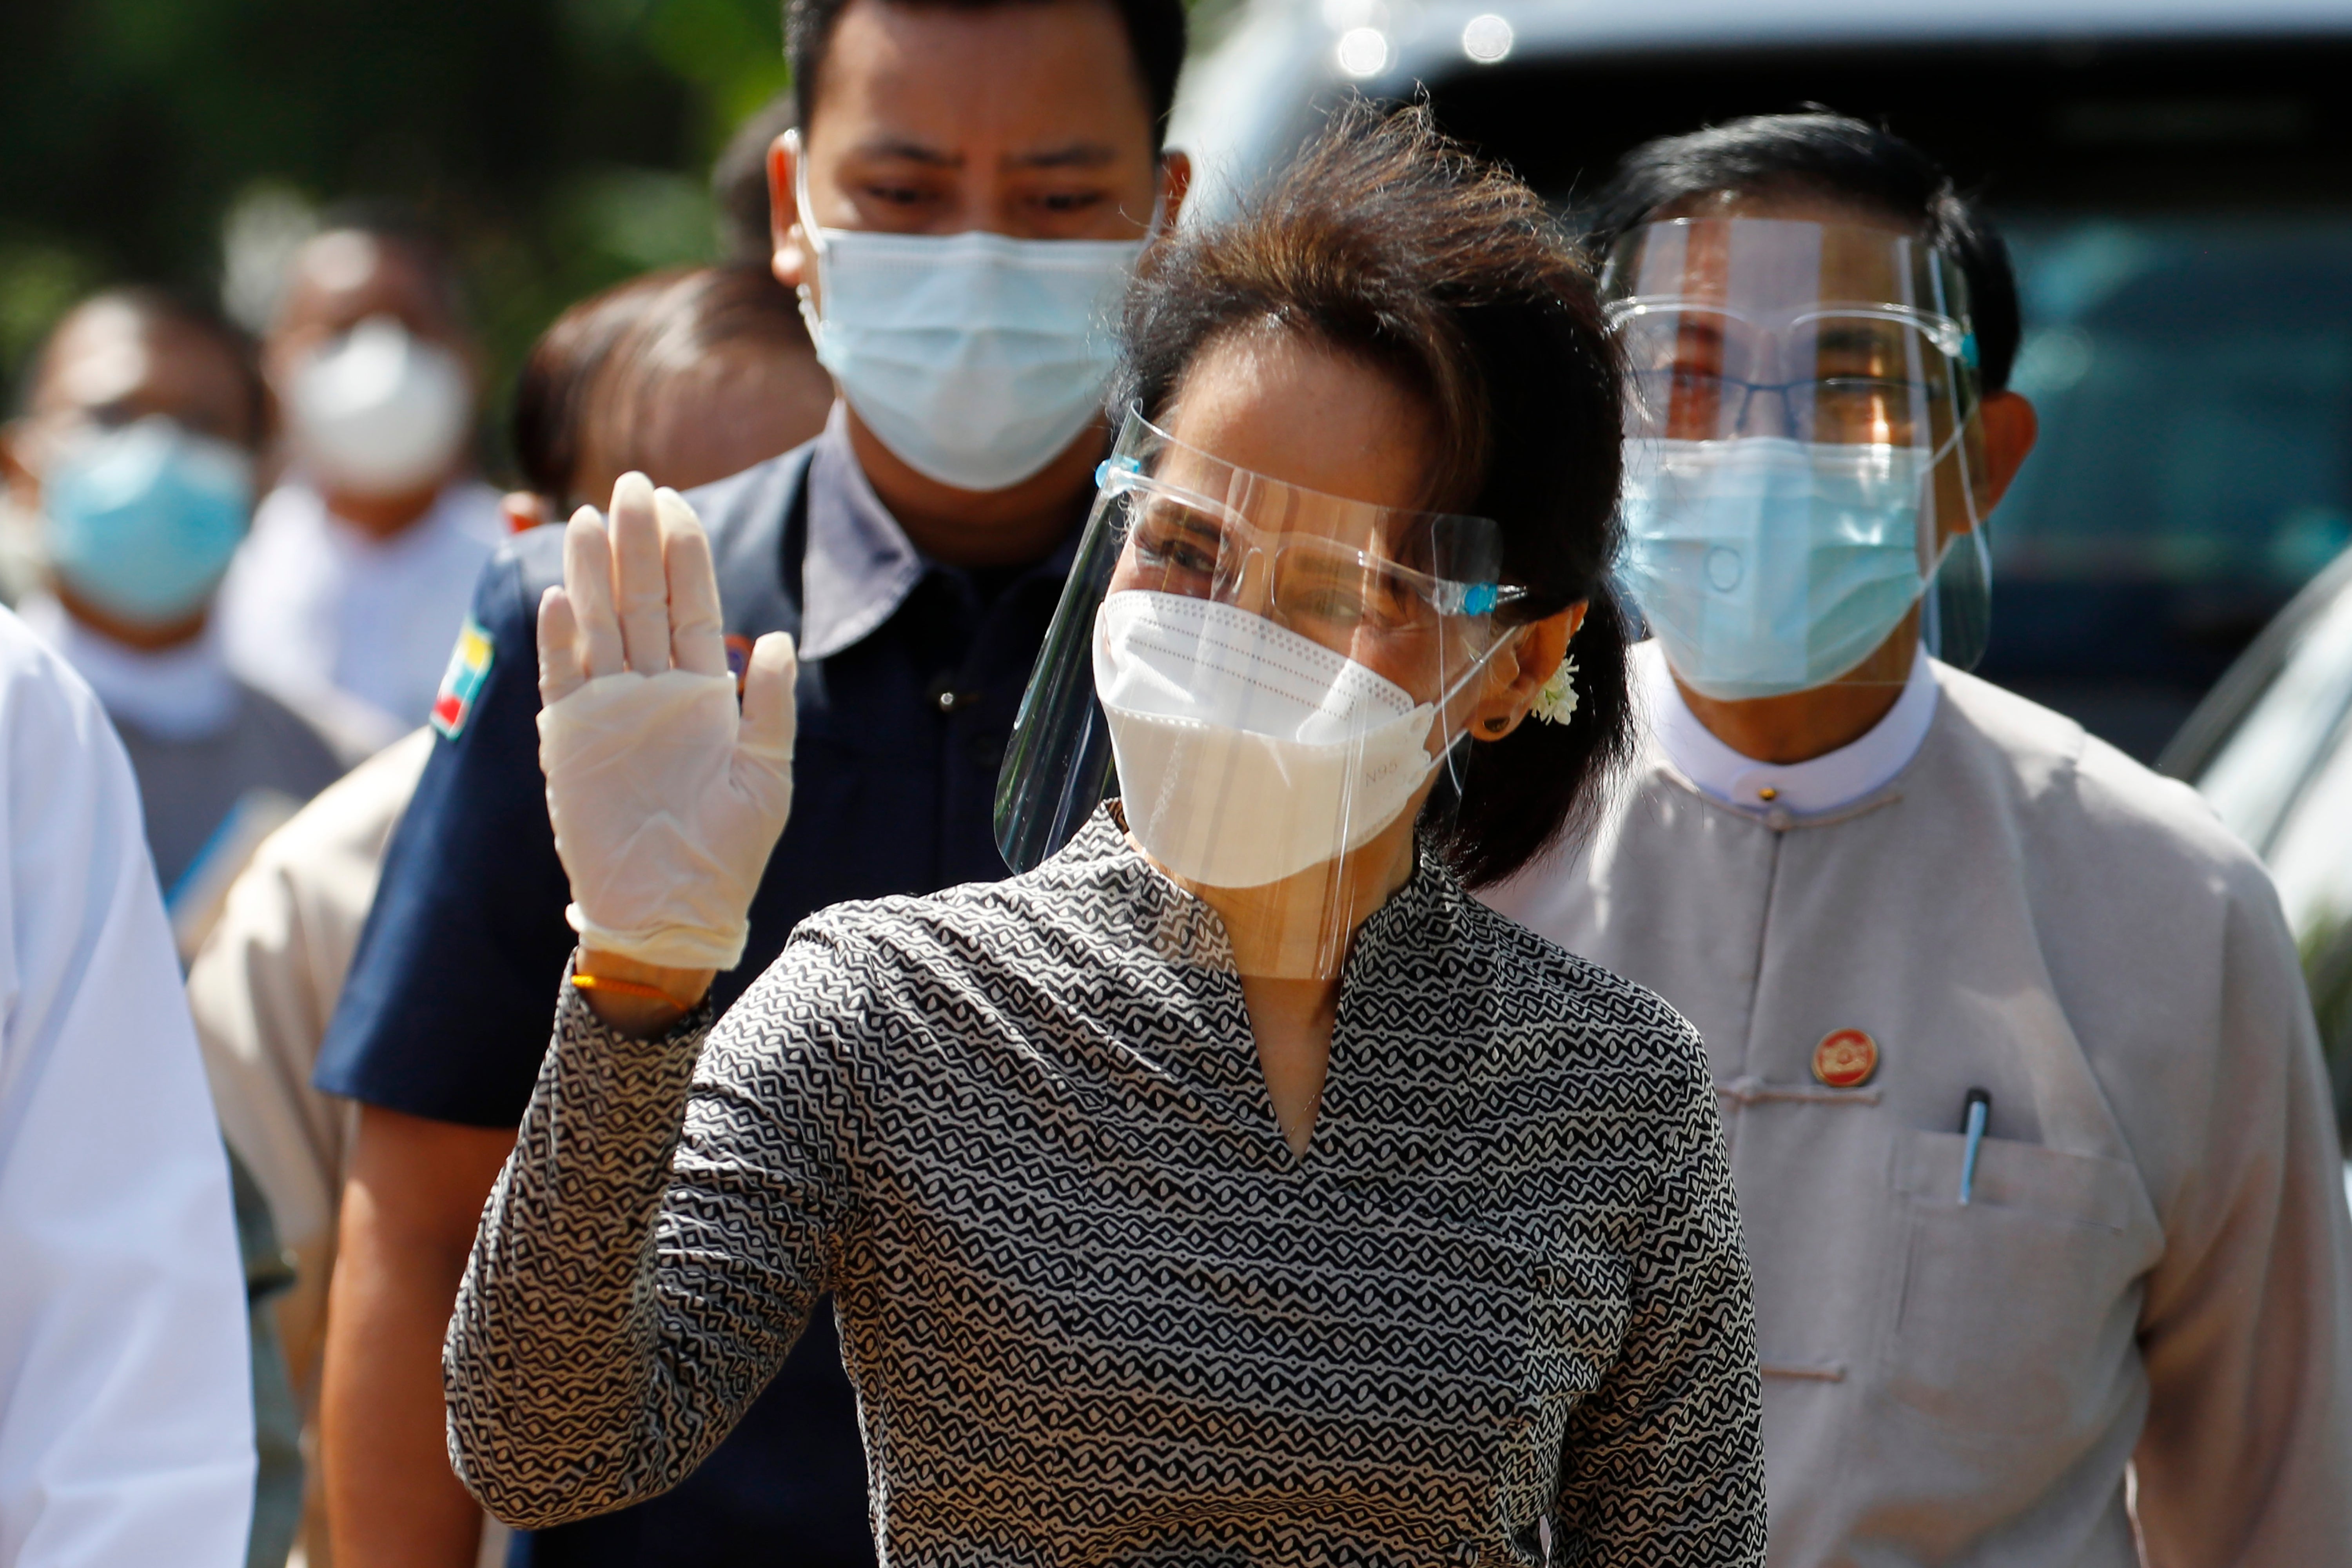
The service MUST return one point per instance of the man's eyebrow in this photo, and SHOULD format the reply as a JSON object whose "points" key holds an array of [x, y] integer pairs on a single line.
{"points": [[1698, 334], [1858, 337], [1077, 155], [906, 152]]}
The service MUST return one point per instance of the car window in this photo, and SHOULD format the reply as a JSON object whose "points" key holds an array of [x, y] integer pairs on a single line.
{"points": [[2194, 378]]}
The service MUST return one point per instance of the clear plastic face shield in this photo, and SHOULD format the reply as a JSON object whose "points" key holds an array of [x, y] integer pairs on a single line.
{"points": [[1275, 674], [1804, 457]]}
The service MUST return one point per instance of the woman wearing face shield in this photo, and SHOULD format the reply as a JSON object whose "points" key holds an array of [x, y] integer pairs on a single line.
{"points": [[1229, 1185]]}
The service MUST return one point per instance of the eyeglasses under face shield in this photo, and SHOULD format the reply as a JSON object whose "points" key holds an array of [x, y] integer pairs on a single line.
{"points": [[1804, 454], [1276, 670], [1361, 580]]}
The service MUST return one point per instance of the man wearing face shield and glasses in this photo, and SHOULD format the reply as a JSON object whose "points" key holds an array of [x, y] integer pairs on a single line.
{"points": [[968, 192], [1228, 1186], [2027, 1115]]}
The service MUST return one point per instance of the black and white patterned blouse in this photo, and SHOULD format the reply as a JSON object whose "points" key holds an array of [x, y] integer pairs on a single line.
{"points": [[1095, 1310]]}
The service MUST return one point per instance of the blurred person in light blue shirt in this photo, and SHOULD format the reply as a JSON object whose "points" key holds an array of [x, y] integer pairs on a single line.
{"points": [[136, 452]]}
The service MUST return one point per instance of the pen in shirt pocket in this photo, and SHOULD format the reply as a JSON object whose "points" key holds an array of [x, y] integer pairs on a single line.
{"points": [[1975, 1111]]}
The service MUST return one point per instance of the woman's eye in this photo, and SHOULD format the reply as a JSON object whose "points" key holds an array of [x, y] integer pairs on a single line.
{"points": [[1326, 602], [1177, 551], [896, 195], [1063, 202]]}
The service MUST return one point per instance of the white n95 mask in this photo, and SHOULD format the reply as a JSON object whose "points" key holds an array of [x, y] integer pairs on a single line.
{"points": [[1768, 567], [143, 519], [379, 411], [1246, 753]]}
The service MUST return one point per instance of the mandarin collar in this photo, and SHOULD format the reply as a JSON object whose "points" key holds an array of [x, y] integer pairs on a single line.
{"points": [[1812, 788], [858, 566]]}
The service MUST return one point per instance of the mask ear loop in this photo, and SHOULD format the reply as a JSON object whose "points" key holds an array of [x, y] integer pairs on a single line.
{"points": [[800, 211], [811, 233], [1450, 758]]}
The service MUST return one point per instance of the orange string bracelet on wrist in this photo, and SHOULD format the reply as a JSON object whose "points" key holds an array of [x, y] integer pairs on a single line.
{"points": [[628, 988]]}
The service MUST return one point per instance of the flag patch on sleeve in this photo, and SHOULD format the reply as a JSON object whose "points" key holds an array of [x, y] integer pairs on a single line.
{"points": [[469, 667]]}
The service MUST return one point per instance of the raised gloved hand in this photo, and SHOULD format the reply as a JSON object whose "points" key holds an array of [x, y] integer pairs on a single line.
{"points": [[666, 800]]}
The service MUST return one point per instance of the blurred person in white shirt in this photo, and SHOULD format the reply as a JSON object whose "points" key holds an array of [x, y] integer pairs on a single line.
{"points": [[361, 561], [126, 1416]]}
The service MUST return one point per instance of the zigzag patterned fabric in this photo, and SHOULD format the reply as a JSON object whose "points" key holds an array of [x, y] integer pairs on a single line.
{"points": [[1095, 1310]]}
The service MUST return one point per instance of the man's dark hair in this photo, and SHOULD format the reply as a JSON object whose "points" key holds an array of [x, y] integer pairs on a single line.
{"points": [[395, 223], [738, 181], [603, 358], [1836, 156], [1387, 242], [1155, 31]]}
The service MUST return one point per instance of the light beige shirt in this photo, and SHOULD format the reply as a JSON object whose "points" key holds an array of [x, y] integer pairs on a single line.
{"points": [[262, 991], [2156, 1268]]}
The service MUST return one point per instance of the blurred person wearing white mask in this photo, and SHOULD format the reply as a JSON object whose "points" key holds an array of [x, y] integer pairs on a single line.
{"points": [[976, 180], [137, 452], [357, 576]]}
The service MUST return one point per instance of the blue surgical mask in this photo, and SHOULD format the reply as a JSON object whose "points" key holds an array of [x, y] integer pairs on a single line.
{"points": [[1768, 567], [143, 519], [976, 358]]}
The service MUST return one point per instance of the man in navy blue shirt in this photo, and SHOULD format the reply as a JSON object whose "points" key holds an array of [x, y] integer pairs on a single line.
{"points": [[976, 179]]}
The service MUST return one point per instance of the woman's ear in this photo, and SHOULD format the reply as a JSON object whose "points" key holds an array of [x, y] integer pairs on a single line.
{"points": [[1521, 670]]}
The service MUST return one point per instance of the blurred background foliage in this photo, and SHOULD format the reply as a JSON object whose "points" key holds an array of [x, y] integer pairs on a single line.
{"points": [[561, 145]]}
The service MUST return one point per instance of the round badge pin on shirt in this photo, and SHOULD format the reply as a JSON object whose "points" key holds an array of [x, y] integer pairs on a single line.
{"points": [[1845, 1058]]}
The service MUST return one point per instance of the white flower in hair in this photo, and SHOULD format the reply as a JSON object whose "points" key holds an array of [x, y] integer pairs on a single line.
{"points": [[1556, 703]]}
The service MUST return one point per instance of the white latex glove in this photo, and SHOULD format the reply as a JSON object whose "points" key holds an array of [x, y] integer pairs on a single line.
{"points": [[666, 801]]}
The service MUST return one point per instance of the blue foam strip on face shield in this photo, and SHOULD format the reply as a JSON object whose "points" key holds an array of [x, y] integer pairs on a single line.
{"points": [[1466, 598]]}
